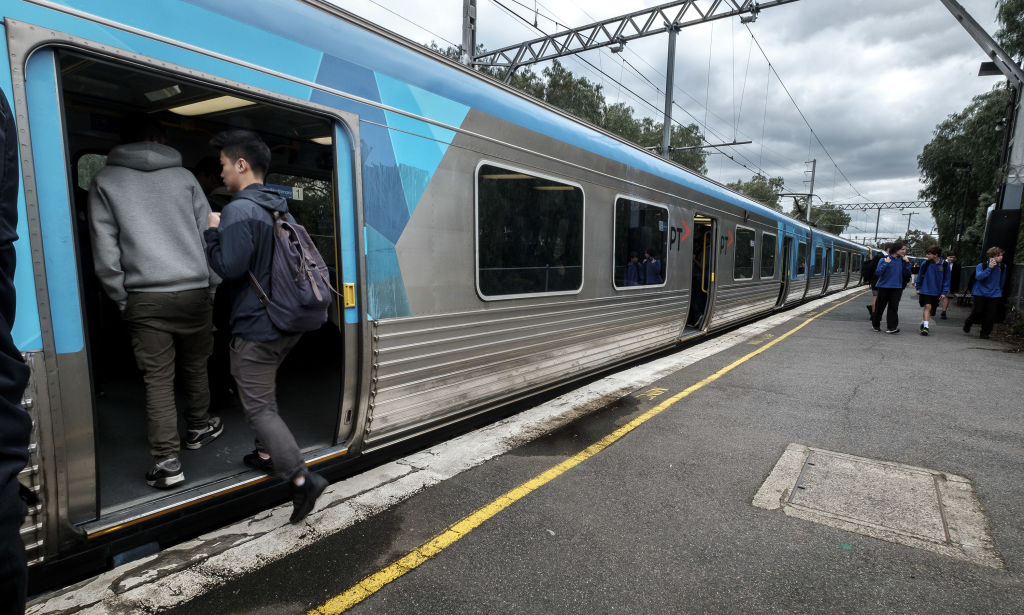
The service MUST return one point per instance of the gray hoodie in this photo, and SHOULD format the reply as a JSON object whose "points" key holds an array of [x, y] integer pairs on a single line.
{"points": [[147, 216]]}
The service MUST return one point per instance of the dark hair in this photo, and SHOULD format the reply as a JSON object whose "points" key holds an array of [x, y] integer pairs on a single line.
{"points": [[950, 253], [247, 145], [934, 250], [994, 251], [895, 247], [140, 127]]}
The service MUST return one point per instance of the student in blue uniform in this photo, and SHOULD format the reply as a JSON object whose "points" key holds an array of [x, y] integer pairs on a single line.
{"points": [[988, 292], [932, 285], [892, 275]]}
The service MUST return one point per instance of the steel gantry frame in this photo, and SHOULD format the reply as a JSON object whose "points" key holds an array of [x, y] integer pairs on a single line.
{"points": [[901, 205], [617, 31]]}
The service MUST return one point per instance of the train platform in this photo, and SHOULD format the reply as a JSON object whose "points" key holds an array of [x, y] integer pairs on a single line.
{"points": [[800, 464]]}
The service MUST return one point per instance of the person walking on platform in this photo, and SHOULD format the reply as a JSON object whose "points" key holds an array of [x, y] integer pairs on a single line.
{"points": [[932, 284], [239, 244], [892, 275], [146, 215], [988, 292], [954, 281], [868, 273]]}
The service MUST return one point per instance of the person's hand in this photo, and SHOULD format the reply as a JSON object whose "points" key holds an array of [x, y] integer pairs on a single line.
{"points": [[888, 259], [906, 259], [213, 219], [991, 262]]}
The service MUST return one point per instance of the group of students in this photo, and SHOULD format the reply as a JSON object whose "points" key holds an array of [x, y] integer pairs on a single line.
{"points": [[890, 273], [643, 272], [161, 254]]}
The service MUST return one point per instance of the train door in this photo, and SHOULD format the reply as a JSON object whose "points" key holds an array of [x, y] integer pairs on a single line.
{"points": [[828, 270], [99, 102], [703, 277], [787, 270]]}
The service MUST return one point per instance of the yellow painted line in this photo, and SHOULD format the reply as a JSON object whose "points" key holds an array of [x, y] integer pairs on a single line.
{"points": [[365, 588]]}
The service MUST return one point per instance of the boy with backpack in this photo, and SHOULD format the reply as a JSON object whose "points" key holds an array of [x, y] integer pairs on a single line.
{"points": [[240, 245], [932, 284], [892, 275]]}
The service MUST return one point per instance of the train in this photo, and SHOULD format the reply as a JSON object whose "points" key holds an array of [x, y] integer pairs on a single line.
{"points": [[485, 246]]}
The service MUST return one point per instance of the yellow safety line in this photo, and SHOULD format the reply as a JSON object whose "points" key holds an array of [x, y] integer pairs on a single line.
{"points": [[368, 586]]}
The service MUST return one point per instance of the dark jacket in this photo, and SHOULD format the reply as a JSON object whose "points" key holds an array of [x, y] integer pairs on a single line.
{"points": [[988, 280], [244, 243], [15, 425], [891, 274]]}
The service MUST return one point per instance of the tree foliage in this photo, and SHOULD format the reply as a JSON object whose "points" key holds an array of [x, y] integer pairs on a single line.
{"points": [[827, 217], [578, 96], [960, 169], [1010, 36], [918, 242], [764, 190]]}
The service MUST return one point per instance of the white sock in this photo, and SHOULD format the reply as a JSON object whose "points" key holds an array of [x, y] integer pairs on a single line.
{"points": [[925, 323]]}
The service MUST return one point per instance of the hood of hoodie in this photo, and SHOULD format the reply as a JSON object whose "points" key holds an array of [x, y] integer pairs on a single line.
{"points": [[267, 198], [144, 156]]}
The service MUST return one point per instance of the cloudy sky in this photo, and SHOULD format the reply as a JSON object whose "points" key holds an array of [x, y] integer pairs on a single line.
{"points": [[872, 78]]}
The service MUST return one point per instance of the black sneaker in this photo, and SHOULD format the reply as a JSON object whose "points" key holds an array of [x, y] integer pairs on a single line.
{"points": [[196, 438], [254, 461], [876, 328], [870, 311], [942, 316], [924, 330], [304, 497], [165, 474], [967, 327], [896, 330]]}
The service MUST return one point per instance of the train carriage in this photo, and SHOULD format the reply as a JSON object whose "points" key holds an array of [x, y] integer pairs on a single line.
{"points": [[486, 246]]}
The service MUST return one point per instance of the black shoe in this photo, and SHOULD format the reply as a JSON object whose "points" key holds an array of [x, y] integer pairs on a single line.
{"points": [[870, 311], [254, 461], [166, 474], [924, 330], [942, 316], [876, 328], [967, 327], [896, 330], [196, 438], [304, 497]]}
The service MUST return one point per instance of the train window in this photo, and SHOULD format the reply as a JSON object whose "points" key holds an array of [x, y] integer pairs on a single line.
{"points": [[310, 200], [842, 263], [801, 259], [743, 265], [529, 234], [837, 261], [767, 255], [818, 260], [855, 263], [641, 236]]}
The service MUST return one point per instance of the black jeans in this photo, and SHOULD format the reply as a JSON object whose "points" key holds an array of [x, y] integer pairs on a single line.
{"points": [[984, 311], [887, 297]]}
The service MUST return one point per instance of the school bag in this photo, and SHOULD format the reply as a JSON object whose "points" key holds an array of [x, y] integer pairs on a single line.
{"points": [[300, 289]]}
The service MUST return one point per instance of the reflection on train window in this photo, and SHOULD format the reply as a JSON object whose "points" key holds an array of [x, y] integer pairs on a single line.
{"points": [[818, 260], [842, 263], [801, 259], [529, 234], [743, 265], [855, 263], [88, 166], [641, 236], [838, 260], [767, 255]]}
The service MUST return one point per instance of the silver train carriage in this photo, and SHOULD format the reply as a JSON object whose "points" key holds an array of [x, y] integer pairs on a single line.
{"points": [[487, 246]]}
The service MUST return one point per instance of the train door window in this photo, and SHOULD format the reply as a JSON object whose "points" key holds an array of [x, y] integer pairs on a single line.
{"points": [[743, 263], [855, 263], [768, 248], [641, 239], [801, 259], [101, 100], [819, 260], [841, 268], [529, 234]]}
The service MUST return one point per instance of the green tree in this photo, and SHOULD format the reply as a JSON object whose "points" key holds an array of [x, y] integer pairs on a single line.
{"points": [[960, 164], [574, 95], [827, 217], [918, 242], [1010, 14], [764, 190]]}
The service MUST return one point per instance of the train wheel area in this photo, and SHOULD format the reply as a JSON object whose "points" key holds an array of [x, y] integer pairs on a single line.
{"points": [[644, 493]]}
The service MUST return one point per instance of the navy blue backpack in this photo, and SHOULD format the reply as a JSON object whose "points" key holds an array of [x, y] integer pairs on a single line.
{"points": [[300, 288]]}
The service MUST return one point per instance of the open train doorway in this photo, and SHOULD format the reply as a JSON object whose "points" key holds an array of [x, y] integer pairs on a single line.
{"points": [[703, 280], [101, 100], [786, 272]]}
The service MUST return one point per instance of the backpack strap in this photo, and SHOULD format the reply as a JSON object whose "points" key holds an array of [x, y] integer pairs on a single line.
{"points": [[264, 299]]}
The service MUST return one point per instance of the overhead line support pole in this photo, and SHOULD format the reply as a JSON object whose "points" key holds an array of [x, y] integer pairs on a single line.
{"points": [[666, 137]]}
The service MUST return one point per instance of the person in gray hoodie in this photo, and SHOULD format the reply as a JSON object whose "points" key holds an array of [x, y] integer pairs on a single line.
{"points": [[147, 214]]}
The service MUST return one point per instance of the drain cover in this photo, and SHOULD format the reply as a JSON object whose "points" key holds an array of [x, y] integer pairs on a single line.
{"points": [[912, 506]]}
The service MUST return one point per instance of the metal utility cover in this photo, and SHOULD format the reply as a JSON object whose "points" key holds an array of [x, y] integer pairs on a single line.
{"points": [[912, 506]]}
